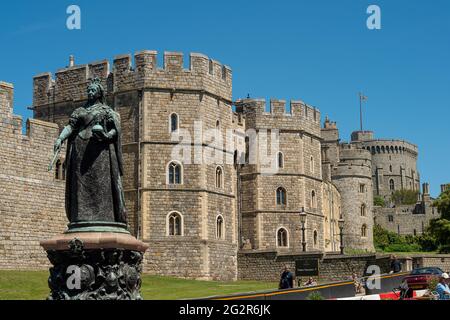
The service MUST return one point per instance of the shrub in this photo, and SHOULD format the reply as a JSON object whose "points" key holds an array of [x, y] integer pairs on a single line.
{"points": [[428, 242], [405, 197], [403, 247], [445, 249], [315, 296], [379, 201]]}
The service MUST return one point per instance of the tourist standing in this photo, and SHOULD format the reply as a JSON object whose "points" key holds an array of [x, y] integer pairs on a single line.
{"points": [[287, 279]]}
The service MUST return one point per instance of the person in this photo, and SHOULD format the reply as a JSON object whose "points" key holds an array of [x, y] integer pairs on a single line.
{"points": [[357, 283], [287, 279], [396, 265], [442, 287], [310, 282], [94, 189]]}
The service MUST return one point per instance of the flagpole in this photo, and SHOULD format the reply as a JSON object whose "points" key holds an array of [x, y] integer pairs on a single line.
{"points": [[360, 111]]}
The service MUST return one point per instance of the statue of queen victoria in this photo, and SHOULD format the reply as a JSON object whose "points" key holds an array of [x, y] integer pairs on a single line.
{"points": [[94, 193], [97, 242]]}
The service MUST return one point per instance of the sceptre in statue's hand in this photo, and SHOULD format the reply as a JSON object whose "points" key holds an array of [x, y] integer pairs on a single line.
{"points": [[56, 150]]}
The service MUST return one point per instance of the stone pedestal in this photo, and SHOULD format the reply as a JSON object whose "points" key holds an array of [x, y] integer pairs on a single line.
{"points": [[95, 266]]}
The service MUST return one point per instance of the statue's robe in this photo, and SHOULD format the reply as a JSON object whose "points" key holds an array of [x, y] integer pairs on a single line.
{"points": [[94, 189]]}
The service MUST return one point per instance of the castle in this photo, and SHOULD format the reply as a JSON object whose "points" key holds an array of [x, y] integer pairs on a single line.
{"points": [[197, 216]]}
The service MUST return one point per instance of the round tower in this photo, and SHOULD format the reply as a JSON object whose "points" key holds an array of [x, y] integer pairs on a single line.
{"points": [[353, 178], [394, 163]]}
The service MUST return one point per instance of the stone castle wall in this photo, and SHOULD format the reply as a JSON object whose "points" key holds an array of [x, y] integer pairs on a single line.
{"points": [[31, 198], [268, 265], [406, 220]]}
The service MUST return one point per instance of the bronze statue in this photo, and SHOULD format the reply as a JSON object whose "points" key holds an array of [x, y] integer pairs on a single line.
{"points": [[94, 164]]}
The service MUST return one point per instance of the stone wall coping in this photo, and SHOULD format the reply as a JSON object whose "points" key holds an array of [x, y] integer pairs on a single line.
{"points": [[43, 123], [95, 240], [145, 52], [439, 256], [6, 84]]}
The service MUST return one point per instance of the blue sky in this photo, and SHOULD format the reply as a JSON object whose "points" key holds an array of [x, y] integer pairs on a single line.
{"points": [[318, 51]]}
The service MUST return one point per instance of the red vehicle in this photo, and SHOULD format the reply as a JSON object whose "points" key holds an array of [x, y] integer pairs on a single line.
{"points": [[418, 278]]}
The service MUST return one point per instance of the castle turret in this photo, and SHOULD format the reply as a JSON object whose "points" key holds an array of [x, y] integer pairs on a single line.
{"points": [[353, 178]]}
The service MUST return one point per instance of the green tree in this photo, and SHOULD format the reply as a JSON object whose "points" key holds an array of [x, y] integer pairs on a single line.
{"points": [[379, 201], [443, 204], [440, 229], [404, 197]]}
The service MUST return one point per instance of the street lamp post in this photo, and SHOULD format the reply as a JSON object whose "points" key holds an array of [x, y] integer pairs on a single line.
{"points": [[303, 220], [341, 228]]}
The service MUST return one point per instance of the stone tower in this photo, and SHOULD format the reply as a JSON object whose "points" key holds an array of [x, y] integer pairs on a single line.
{"points": [[394, 163], [277, 185], [350, 170], [353, 178], [185, 210]]}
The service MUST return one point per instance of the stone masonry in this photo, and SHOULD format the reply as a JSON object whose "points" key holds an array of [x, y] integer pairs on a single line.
{"points": [[31, 198]]}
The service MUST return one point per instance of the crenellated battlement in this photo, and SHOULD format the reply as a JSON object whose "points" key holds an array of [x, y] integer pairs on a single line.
{"points": [[11, 124], [69, 84], [6, 99], [299, 116]]}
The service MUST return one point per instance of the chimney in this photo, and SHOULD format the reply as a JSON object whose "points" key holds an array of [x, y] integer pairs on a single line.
{"points": [[71, 61], [426, 189]]}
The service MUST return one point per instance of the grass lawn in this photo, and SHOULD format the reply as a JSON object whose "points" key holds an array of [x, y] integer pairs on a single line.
{"points": [[32, 285]]}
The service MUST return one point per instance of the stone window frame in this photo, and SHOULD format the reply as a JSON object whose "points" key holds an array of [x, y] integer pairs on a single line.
{"points": [[170, 122], [315, 238], [280, 160], [391, 184], [363, 210], [362, 188], [277, 239], [364, 231], [168, 227], [178, 163], [390, 218], [281, 204], [219, 183], [313, 200], [311, 165], [220, 230]]}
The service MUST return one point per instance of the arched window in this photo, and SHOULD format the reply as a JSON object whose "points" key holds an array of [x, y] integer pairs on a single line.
{"points": [[311, 165], [364, 231], [218, 125], [363, 210], [391, 185], [282, 238], [174, 224], [280, 160], [390, 168], [219, 227], [174, 174], [219, 177], [313, 199], [315, 238], [281, 196], [173, 122]]}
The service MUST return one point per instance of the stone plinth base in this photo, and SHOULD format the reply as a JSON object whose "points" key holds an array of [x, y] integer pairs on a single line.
{"points": [[95, 266]]}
